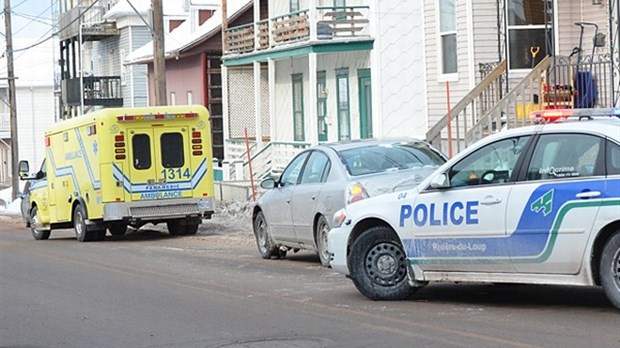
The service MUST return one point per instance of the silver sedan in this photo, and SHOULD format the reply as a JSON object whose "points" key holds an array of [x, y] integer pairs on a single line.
{"points": [[296, 211]]}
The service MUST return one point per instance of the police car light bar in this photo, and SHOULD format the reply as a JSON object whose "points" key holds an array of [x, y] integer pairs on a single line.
{"points": [[552, 115], [153, 117]]}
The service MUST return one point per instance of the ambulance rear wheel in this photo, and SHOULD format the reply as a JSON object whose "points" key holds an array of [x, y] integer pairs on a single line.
{"points": [[191, 229], [79, 225], [379, 265], [610, 269], [37, 233], [117, 228], [175, 228]]}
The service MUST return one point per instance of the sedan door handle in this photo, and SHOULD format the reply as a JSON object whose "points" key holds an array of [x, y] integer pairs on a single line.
{"points": [[313, 197], [588, 194], [490, 201]]}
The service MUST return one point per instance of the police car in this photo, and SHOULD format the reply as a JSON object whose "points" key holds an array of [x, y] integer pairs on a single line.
{"points": [[538, 204]]}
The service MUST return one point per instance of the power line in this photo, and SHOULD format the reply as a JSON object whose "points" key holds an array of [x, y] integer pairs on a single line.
{"points": [[59, 30]]}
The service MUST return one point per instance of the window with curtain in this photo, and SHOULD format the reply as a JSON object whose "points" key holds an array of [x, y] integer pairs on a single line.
{"points": [[298, 107]]}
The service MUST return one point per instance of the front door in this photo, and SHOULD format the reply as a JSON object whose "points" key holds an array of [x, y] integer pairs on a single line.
{"points": [[365, 103]]}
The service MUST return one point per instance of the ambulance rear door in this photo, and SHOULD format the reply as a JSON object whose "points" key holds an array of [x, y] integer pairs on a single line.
{"points": [[160, 163]]}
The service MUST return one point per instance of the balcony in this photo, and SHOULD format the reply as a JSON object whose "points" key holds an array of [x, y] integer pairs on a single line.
{"points": [[332, 23], [94, 27], [98, 91]]}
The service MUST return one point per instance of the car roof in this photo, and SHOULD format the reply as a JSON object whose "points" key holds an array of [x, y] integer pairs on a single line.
{"points": [[606, 126], [353, 144]]}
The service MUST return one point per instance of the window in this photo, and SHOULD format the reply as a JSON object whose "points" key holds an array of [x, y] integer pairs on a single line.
{"points": [[290, 175], [141, 148], [342, 94], [321, 91], [559, 156], [613, 158], [526, 30], [447, 36], [298, 108], [294, 5], [316, 169], [172, 150], [491, 164], [384, 156]]}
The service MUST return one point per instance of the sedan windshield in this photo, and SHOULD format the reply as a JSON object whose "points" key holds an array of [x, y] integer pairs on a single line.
{"points": [[378, 158]]}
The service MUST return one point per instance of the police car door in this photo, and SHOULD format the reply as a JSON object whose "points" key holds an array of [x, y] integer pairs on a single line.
{"points": [[462, 227], [553, 209]]}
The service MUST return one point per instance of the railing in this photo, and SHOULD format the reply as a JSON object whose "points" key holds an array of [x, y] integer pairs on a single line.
{"points": [[91, 21], [98, 90], [240, 39], [271, 159], [469, 110], [513, 109], [590, 77], [332, 23], [291, 27], [344, 21]]}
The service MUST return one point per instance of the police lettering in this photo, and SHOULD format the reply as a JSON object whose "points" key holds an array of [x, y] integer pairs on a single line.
{"points": [[441, 214]]}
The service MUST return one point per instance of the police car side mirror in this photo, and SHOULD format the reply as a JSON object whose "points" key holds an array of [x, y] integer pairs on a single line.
{"points": [[268, 183], [441, 181], [23, 169]]}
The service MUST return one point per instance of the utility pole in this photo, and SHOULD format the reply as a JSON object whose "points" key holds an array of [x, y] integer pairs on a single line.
{"points": [[224, 24], [12, 102], [159, 61]]}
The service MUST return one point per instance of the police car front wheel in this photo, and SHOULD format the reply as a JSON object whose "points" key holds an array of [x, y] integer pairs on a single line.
{"points": [[378, 265], [610, 269]]}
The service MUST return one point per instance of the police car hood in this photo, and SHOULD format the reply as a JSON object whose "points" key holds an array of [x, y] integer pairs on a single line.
{"points": [[395, 180]]}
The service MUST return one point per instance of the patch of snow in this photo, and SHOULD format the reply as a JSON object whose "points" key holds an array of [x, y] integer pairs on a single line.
{"points": [[8, 207]]}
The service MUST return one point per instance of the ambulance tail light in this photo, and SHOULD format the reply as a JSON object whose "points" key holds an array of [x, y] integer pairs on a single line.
{"points": [[196, 143], [355, 192], [119, 147], [47, 141]]}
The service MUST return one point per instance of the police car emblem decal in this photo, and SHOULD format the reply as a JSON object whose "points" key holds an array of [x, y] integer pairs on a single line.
{"points": [[544, 203]]}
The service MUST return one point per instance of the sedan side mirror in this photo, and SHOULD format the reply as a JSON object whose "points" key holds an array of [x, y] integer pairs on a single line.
{"points": [[23, 169], [441, 181], [268, 183]]}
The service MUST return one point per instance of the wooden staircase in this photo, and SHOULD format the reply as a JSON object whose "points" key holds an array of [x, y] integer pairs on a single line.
{"points": [[485, 110]]}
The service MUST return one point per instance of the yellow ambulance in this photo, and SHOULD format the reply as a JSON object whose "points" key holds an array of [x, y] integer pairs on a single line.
{"points": [[121, 167]]}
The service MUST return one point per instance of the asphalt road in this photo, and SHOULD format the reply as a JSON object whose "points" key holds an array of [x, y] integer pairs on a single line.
{"points": [[148, 289]]}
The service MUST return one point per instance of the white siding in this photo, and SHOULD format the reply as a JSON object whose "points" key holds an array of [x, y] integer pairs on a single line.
{"points": [[35, 115], [398, 70], [570, 12]]}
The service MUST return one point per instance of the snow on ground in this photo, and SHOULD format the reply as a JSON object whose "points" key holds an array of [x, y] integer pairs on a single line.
{"points": [[231, 217], [6, 206]]}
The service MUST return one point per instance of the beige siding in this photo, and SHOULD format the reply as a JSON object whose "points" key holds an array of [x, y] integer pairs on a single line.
{"points": [[485, 32], [570, 12], [436, 86]]}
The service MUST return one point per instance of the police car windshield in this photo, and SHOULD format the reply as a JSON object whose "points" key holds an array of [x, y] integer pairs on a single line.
{"points": [[378, 158]]}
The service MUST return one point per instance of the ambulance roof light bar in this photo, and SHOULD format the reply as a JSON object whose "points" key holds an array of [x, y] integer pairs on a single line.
{"points": [[553, 115], [151, 117]]}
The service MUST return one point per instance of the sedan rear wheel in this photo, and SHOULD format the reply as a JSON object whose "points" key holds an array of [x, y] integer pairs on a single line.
{"points": [[320, 237], [379, 265], [266, 247], [37, 233], [610, 269]]}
